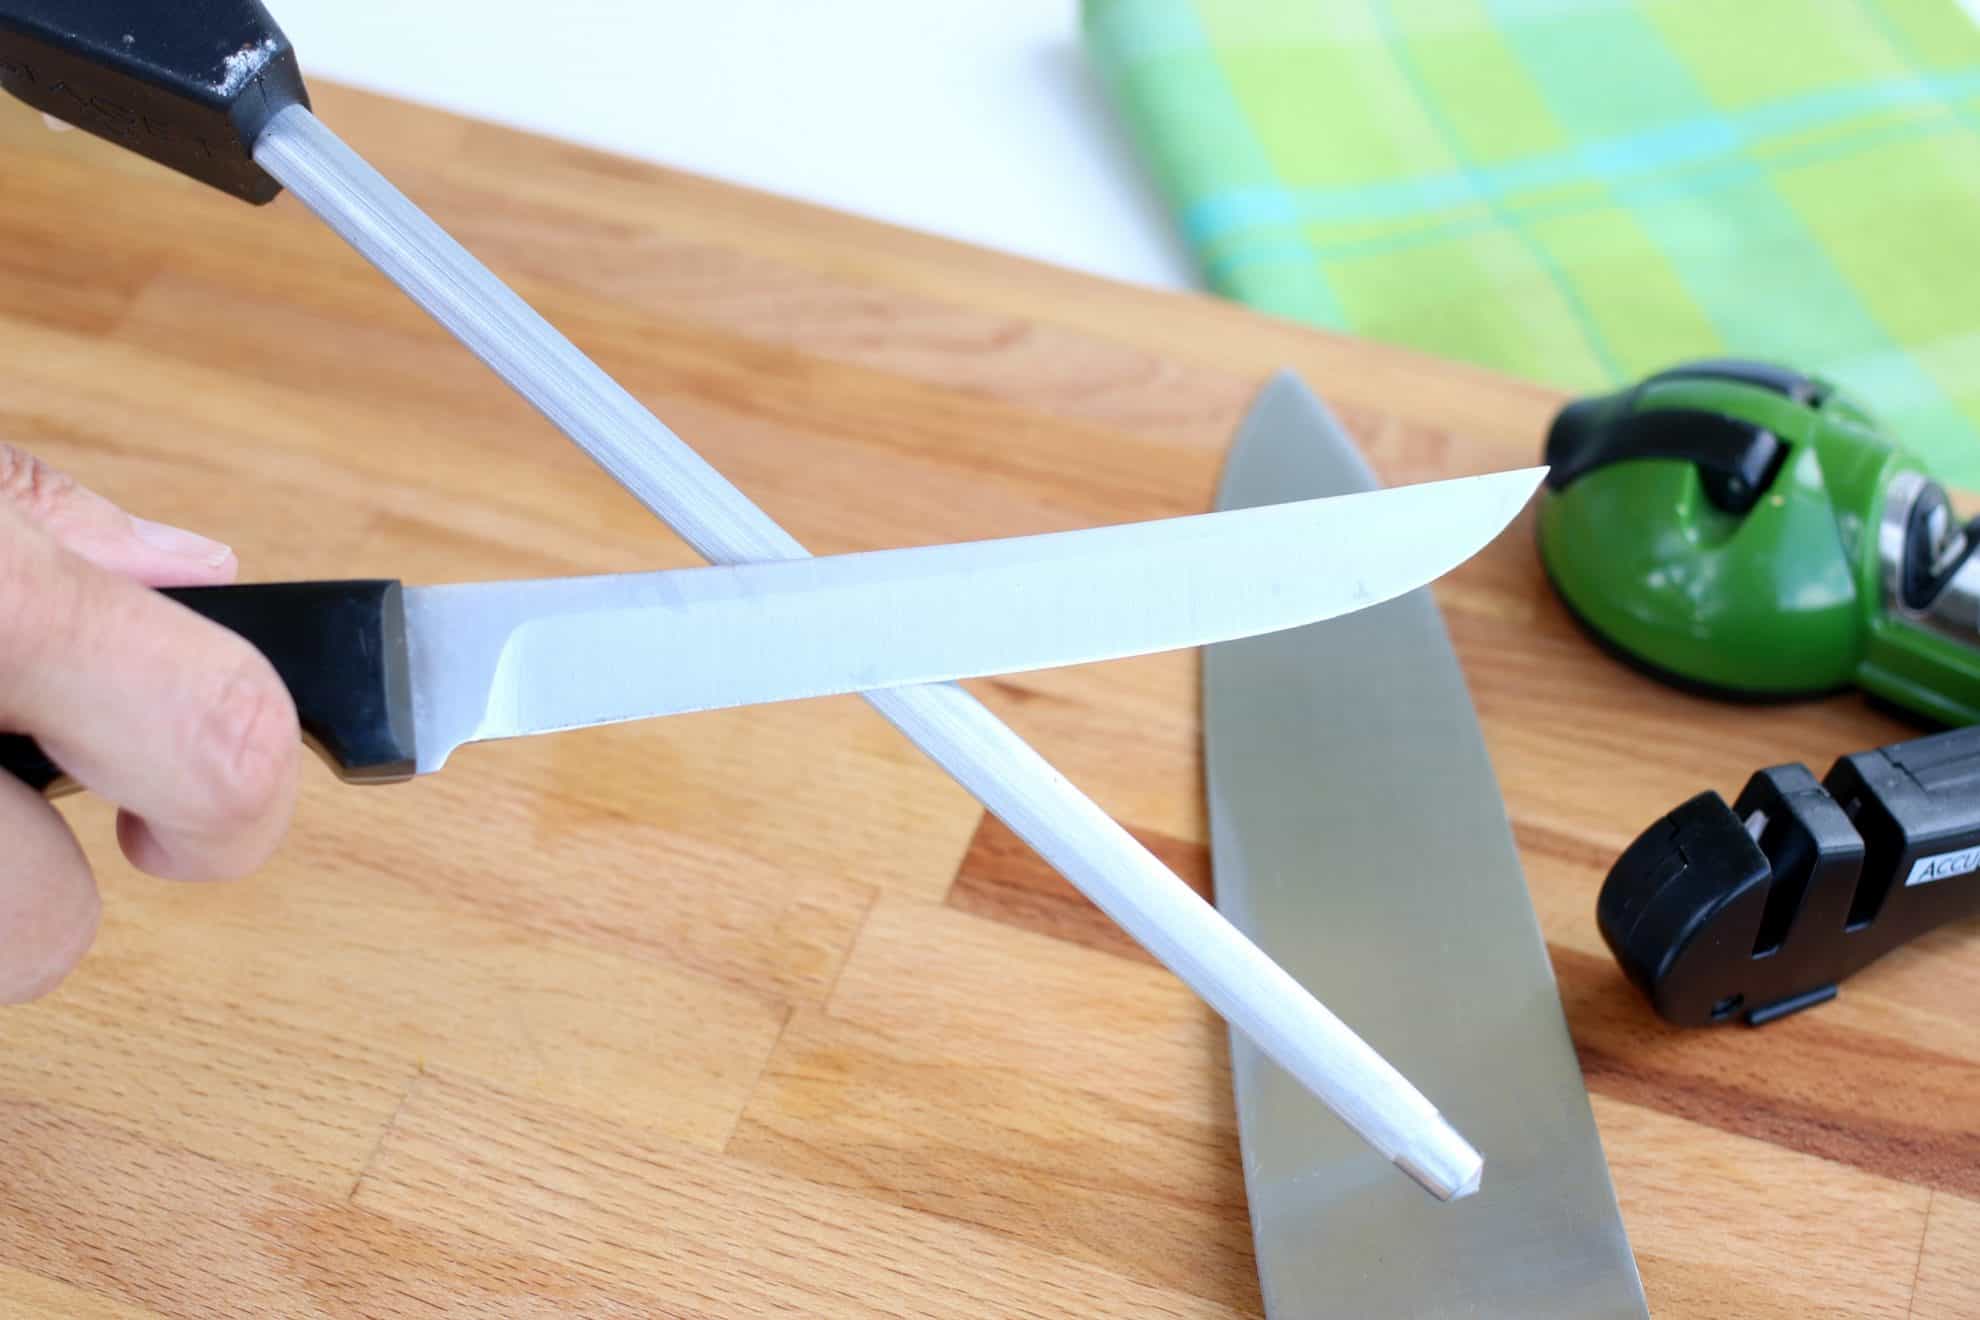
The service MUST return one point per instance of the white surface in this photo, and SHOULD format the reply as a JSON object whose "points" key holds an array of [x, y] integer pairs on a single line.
{"points": [[979, 120]]}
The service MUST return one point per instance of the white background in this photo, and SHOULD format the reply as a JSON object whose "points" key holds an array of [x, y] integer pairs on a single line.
{"points": [[976, 119]]}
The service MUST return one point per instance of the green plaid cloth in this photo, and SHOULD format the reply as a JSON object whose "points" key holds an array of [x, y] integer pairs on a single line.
{"points": [[1584, 192]]}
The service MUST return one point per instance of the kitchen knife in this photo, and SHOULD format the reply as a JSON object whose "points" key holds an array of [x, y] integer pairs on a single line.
{"points": [[390, 680], [1357, 834]]}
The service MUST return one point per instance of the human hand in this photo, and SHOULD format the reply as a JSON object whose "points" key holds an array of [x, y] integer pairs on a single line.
{"points": [[175, 719]]}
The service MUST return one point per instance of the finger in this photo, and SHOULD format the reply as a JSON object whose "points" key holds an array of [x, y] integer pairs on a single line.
{"points": [[48, 900], [172, 717], [83, 521]]}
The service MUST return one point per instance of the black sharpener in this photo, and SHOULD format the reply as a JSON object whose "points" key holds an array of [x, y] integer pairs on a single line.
{"points": [[1751, 912]]}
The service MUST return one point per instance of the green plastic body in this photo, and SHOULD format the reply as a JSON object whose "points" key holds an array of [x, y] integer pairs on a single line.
{"points": [[1784, 600]]}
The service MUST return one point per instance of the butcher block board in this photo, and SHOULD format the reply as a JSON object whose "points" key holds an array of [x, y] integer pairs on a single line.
{"points": [[754, 1012]]}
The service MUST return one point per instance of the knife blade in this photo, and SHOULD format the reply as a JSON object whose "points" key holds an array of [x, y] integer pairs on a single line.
{"points": [[391, 681], [1361, 841]]}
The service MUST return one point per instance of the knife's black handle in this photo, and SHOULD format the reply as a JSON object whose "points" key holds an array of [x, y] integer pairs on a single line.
{"points": [[22, 759], [341, 649]]}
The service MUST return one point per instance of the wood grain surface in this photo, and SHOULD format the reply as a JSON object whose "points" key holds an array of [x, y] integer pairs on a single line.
{"points": [[754, 1012]]}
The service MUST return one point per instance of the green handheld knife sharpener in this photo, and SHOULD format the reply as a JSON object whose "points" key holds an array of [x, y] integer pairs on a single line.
{"points": [[1743, 530]]}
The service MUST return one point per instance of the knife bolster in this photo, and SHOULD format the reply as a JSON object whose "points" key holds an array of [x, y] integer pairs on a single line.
{"points": [[340, 647]]}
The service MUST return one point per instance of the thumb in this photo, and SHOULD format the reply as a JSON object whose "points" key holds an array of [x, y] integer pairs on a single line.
{"points": [[90, 526]]}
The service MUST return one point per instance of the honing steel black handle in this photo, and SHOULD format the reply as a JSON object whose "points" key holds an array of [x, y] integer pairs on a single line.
{"points": [[189, 83], [341, 649]]}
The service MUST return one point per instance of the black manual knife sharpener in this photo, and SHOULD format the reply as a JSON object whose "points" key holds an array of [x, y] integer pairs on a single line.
{"points": [[1756, 911]]}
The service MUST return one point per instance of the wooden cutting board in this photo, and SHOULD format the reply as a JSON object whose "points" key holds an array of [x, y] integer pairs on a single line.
{"points": [[755, 1012]]}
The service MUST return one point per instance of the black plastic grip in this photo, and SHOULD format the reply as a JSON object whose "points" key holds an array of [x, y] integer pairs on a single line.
{"points": [[340, 647], [188, 83]]}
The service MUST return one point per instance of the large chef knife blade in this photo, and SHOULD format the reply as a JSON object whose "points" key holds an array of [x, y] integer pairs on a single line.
{"points": [[1358, 835]]}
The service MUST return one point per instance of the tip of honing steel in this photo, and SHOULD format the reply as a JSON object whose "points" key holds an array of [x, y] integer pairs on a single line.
{"points": [[1443, 1163]]}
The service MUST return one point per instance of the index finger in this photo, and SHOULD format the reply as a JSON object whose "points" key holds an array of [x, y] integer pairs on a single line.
{"points": [[174, 718]]}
